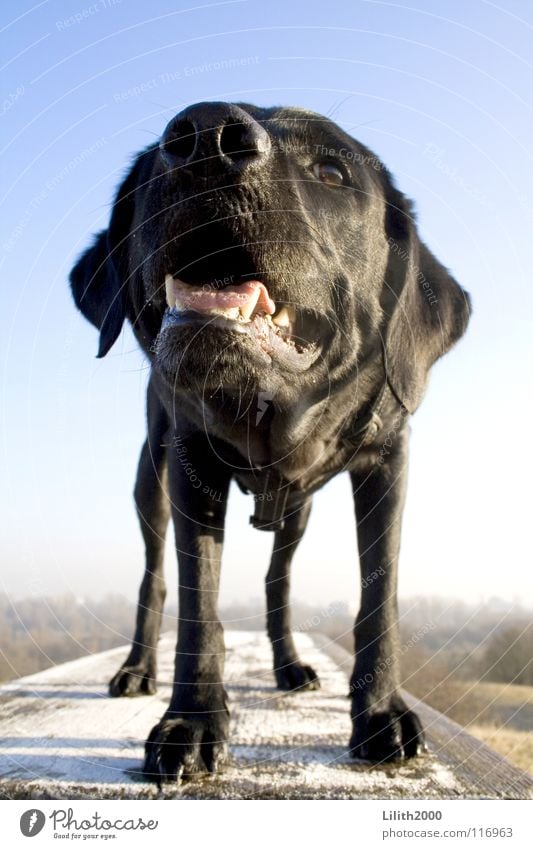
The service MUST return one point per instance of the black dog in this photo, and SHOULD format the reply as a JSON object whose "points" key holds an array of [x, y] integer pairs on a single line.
{"points": [[273, 275]]}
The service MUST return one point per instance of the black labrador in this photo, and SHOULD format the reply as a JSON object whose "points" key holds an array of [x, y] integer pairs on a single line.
{"points": [[273, 274]]}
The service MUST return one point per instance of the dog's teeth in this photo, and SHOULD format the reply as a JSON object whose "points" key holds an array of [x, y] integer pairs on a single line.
{"points": [[231, 312], [284, 317], [170, 291], [247, 309]]}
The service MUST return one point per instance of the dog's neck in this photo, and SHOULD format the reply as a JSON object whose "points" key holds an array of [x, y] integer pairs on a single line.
{"points": [[278, 496]]}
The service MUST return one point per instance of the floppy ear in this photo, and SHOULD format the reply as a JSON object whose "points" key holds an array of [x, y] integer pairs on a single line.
{"points": [[426, 310], [97, 292], [99, 281]]}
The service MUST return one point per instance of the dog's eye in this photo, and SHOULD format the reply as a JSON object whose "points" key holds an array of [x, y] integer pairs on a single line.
{"points": [[328, 173]]}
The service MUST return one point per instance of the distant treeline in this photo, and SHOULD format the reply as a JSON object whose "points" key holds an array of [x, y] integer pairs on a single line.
{"points": [[492, 642], [39, 632]]}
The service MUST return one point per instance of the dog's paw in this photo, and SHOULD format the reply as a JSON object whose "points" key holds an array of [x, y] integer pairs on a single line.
{"points": [[185, 746], [387, 734], [134, 680], [296, 676]]}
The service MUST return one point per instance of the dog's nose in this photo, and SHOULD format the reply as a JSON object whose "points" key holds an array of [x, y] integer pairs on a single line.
{"points": [[213, 137]]}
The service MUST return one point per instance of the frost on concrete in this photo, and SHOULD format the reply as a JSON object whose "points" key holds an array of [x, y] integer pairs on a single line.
{"points": [[63, 737]]}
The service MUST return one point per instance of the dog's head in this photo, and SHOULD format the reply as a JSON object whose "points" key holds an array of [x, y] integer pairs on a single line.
{"points": [[266, 250]]}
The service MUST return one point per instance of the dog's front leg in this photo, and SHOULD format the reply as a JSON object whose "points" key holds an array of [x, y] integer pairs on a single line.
{"points": [[192, 735], [383, 727], [137, 674], [290, 672]]}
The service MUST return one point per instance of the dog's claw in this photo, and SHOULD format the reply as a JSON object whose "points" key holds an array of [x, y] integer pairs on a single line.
{"points": [[181, 747], [176, 774], [138, 680], [388, 734], [296, 676]]}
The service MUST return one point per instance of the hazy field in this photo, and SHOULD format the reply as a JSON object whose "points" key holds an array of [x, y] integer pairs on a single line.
{"points": [[499, 714]]}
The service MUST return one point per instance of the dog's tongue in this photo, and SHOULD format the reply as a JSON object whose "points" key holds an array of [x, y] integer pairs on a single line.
{"points": [[251, 296]]}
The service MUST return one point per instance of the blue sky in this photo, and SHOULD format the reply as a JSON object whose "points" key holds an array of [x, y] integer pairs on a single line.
{"points": [[442, 92]]}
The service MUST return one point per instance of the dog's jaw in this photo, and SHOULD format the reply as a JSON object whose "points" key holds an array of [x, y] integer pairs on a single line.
{"points": [[243, 314]]}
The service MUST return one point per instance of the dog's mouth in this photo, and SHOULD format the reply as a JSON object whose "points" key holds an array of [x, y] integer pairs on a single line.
{"points": [[281, 331]]}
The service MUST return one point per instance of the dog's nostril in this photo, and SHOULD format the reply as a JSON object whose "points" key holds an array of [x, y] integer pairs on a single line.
{"points": [[209, 138], [179, 141], [237, 141]]}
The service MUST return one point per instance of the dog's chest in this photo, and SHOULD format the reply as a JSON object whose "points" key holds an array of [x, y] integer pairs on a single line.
{"points": [[305, 469]]}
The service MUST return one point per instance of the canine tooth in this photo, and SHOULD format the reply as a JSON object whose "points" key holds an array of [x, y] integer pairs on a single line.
{"points": [[170, 291], [284, 317], [247, 309]]}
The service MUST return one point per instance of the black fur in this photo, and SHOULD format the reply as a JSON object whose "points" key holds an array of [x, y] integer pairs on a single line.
{"points": [[230, 194]]}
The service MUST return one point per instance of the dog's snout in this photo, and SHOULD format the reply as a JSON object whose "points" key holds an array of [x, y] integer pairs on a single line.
{"points": [[211, 137]]}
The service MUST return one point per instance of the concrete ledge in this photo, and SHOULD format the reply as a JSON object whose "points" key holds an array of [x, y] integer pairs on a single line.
{"points": [[62, 737]]}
